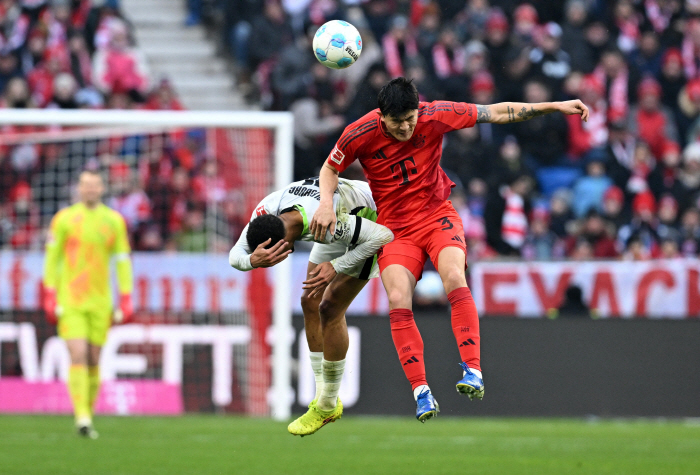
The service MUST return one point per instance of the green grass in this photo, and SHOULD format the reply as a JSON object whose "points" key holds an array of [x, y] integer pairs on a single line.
{"points": [[353, 445]]}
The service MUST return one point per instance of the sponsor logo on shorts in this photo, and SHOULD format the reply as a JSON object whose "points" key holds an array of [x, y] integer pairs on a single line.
{"points": [[337, 156]]}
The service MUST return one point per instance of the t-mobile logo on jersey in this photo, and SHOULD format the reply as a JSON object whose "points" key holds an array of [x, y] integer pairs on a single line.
{"points": [[260, 210], [406, 170]]}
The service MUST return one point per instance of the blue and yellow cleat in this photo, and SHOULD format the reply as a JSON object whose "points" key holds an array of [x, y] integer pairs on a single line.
{"points": [[470, 384], [427, 406]]}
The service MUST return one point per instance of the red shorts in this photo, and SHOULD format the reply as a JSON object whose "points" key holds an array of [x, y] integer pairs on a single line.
{"points": [[413, 244]]}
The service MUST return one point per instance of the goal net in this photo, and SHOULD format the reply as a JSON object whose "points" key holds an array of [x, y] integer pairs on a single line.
{"points": [[205, 336]]}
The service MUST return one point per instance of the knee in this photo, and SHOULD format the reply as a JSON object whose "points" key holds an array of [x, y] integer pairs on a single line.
{"points": [[328, 310], [309, 304], [454, 279], [398, 299]]}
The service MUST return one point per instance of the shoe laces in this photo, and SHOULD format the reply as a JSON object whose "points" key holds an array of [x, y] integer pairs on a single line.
{"points": [[466, 369], [423, 395]]}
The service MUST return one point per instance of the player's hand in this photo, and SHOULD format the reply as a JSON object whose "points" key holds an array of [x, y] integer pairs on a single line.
{"points": [[49, 305], [125, 312], [574, 107], [320, 277], [323, 221], [262, 257]]}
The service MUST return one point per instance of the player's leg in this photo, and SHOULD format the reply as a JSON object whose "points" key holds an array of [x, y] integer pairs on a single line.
{"points": [[401, 264], [336, 300], [93, 366], [448, 252], [312, 328], [73, 329]]}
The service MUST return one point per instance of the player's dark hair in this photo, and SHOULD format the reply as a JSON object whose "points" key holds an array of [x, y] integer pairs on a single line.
{"points": [[398, 97], [262, 228]]}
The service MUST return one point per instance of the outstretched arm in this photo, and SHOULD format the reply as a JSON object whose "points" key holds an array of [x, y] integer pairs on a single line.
{"points": [[507, 112], [324, 217]]}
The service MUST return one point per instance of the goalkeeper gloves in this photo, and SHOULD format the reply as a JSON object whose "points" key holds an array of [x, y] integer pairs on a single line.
{"points": [[125, 313], [49, 305]]}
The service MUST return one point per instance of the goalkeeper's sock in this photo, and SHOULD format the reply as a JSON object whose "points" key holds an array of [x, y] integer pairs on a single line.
{"points": [[409, 345], [332, 376], [465, 326], [94, 386], [78, 387], [317, 365]]}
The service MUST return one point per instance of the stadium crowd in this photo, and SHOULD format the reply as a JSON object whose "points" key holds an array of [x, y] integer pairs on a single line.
{"points": [[71, 54], [625, 184]]}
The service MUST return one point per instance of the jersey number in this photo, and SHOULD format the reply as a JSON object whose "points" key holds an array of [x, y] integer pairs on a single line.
{"points": [[406, 167], [311, 181], [446, 222]]}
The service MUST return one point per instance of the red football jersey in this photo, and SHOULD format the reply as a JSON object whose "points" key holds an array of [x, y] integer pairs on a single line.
{"points": [[406, 180]]}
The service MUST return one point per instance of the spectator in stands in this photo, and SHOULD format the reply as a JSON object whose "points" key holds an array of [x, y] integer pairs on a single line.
{"points": [[642, 230], [647, 58], [614, 210], [509, 162], [635, 250], [9, 68], [127, 196], [589, 139], [690, 232], [597, 40], [650, 120], [496, 41], [588, 190], [365, 99], [399, 45], [593, 230], [549, 61], [543, 139], [619, 82], [627, 22], [80, 64], [668, 218], [17, 95], [561, 215], [691, 49], [448, 63], [466, 155], [22, 218], [671, 77], [163, 97], [525, 22], [120, 68], [669, 249], [506, 213], [540, 243], [64, 91], [573, 38], [293, 72], [664, 178], [41, 78], [193, 236], [689, 174], [632, 178]]}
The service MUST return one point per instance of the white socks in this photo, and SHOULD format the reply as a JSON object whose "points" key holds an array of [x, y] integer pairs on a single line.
{"points": [[316, 365], [332, 376], [475, 371], [420, 389]]}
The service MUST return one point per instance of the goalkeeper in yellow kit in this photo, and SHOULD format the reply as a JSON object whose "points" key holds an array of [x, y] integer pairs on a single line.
{"points": [[83, 239]]}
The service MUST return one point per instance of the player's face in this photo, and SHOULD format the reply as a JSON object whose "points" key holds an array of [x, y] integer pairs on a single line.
{"points": [[90, 188], [402, 126]]}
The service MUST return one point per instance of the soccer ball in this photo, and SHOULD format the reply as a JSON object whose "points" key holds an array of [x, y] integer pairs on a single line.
{"points": [[337, 44]]}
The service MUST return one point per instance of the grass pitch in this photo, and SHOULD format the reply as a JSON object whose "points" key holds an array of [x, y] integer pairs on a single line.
{"points": [[353, 445]]}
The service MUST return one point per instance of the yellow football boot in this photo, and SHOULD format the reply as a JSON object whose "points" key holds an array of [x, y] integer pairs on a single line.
{"points": [[314, 419]]}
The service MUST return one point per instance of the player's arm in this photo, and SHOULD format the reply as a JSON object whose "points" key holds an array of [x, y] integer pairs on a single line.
{"points": [[362, 236], [508, 112], [239, 258], [52, 261], [125, 273], [324, 217]]}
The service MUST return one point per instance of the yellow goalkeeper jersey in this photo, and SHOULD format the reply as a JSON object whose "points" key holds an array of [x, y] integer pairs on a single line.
{"points": [[79, 248]]}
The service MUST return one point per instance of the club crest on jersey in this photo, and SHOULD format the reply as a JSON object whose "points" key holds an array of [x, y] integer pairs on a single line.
{"points": [[337, 156], [260, 210], [460, 108], [418, 141]]}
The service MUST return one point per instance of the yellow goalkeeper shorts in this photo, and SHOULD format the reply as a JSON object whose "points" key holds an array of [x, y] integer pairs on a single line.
{"points": [[76, 324]]}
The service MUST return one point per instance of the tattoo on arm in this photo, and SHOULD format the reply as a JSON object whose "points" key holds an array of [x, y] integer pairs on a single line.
{"points": [[511, 114], [483, 114], [525, 114]]}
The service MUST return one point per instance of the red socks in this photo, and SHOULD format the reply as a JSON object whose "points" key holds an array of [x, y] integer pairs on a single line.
{"points": [[409, 345], [465, 325]]}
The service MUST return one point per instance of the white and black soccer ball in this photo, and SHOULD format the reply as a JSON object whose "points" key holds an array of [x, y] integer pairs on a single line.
{"points": [[337, 44]]}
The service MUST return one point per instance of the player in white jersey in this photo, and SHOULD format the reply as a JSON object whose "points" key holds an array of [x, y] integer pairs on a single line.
{"points": [[339, 267]]}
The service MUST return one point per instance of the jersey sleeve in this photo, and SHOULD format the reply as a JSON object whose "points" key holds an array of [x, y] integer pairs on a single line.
{"points": [[347, 146], [239, 256], [125, 273], [362, 236], [448, 116], [54, 250]]}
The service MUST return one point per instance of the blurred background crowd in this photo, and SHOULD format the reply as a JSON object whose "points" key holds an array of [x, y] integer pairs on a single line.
{"points": [[626, 184]]}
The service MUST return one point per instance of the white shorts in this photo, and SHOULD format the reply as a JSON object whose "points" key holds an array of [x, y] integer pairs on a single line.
{"points": [[365, 270]]}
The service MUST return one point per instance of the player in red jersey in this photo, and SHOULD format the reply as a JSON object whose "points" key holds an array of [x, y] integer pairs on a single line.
{"points": [[399, 146]]}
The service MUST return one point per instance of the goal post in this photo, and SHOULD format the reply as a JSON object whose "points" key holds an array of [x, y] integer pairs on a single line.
{"points": [[51, 125]]}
